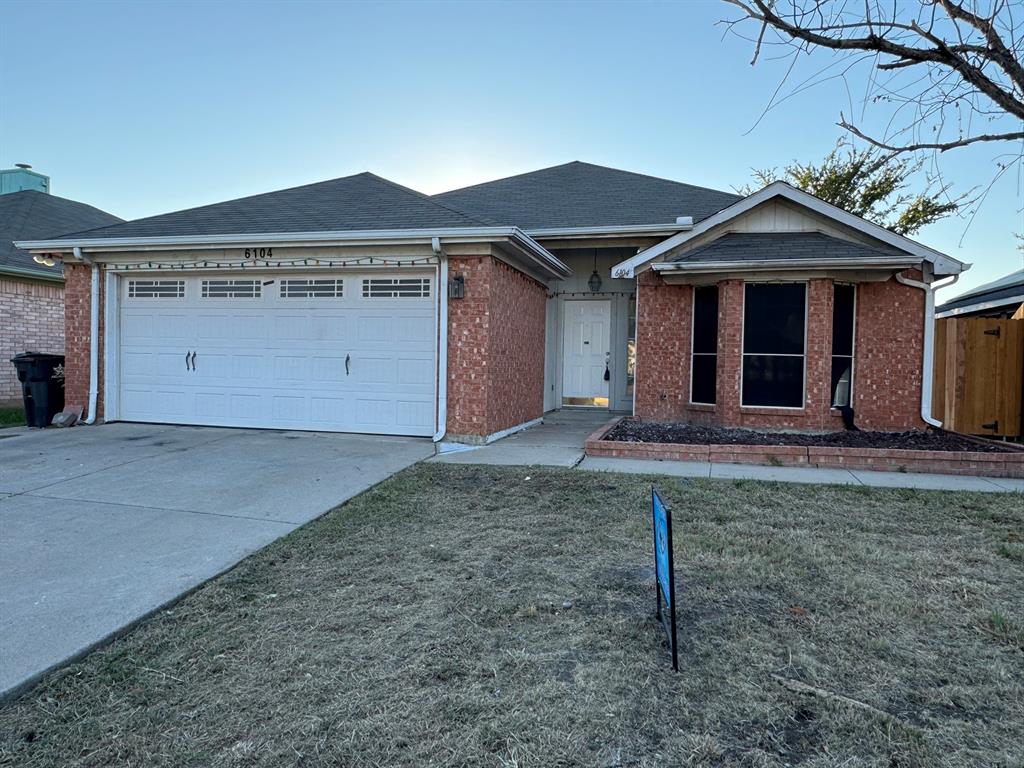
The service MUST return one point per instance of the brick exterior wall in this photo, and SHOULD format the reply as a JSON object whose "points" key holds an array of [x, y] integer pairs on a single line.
{"points": [[31, 320], [887, 358], [663, 324], [495, 349], [887, 365], [77, 289]]}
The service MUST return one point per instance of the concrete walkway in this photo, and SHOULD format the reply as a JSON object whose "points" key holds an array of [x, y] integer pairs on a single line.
{"points": [[100, 526], [558, 442]]}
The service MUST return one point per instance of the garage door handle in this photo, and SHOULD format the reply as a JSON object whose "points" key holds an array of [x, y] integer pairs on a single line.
{"points": [[348, 360], [193, 360], [186, 360]]}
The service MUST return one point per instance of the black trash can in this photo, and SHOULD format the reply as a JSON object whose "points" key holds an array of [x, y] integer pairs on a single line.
{"points": [[42, 392]]}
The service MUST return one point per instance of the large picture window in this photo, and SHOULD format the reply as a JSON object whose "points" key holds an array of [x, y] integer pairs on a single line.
{"points": [[704, 357], [843, 313], [774, 340]]}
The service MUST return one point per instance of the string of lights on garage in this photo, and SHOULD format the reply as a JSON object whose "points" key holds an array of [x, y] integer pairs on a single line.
{"points": [[362, 261]]}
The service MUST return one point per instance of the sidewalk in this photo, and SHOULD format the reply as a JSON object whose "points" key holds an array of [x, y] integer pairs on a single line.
{"points": [[558, 442]]}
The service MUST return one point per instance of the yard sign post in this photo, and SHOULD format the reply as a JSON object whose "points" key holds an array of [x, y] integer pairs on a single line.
{"points": [[664, 570]]}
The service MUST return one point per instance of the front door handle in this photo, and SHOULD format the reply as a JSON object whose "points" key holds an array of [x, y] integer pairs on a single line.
{"points": [[193, 360]]}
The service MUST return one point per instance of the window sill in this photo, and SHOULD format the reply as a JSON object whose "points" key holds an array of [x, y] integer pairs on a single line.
{"points": [[761, 410], [701, 407]]}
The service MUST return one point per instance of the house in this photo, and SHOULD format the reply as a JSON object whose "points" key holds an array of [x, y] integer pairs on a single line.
{"points": [[360, 305], [1002, 298], [32, 291]]}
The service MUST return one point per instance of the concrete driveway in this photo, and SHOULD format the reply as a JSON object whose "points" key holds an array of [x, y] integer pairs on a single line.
{"points": [[99, 526]]}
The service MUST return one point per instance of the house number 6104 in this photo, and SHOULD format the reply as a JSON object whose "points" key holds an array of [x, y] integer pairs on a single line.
{"points": [[259, 253]]}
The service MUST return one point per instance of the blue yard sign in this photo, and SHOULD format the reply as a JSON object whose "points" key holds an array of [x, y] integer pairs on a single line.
{"points": [[664, 569]]}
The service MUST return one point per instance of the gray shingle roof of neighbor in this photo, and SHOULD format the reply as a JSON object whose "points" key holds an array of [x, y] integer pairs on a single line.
{"points": [[362, 202], [767, 246], [32, 215], [584, 195], [1006, 287]]}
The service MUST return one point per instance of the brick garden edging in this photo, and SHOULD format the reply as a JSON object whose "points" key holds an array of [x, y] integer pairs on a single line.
{"points": [[989, 464]]}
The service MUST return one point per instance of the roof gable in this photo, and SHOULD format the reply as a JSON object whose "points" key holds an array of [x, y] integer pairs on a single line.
{"points": [[578, 195], [941, 263], [362, 202], [30, 214]]}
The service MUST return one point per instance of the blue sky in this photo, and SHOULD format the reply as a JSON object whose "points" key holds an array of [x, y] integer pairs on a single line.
{"points": [[142, 108]]}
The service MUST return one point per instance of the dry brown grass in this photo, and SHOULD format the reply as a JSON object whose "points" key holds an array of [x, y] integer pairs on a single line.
{"points": [[423, 624]]}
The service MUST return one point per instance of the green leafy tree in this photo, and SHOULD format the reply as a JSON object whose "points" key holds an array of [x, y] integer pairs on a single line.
{"points": [[867, 183]]}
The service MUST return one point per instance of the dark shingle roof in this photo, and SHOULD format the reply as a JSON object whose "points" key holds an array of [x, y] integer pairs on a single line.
{"points": [[583, 195], [352, 203], [32, 215], [765, 246], [1007, 287]]}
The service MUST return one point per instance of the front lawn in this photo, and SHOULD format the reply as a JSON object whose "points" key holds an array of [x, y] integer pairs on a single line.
{"points": [[460, 615]]}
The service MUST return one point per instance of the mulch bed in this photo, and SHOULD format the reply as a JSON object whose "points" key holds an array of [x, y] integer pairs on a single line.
{"points": [[630, 431]]}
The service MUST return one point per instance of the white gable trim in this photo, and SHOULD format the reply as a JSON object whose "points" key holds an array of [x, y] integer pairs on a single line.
{"points": [[942, 264]]}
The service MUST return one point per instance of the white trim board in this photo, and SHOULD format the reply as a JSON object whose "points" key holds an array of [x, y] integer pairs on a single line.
{"points": [[942, 264]]}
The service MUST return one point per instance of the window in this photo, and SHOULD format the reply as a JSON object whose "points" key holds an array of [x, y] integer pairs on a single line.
{"points": [[312, 289], [396, 288], [704, 345], [774, 323], [156, 289], [232, 289], [843, 313]]}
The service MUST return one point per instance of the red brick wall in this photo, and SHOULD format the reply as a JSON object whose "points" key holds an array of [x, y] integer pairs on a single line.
{"points": [[495, 348], [518, 315], [887, 364], [77, 289], [663, 325], [469, 322], [31, 320]]}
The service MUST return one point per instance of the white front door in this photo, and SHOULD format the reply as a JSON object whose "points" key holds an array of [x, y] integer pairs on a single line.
{"points": [[346, 352], [586, 352]]}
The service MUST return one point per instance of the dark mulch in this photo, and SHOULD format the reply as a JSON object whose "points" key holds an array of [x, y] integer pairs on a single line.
{"points": [[630, 431]]}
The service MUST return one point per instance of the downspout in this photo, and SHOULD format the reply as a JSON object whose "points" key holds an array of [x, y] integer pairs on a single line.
{"points": [[928, 362], [442, 362], [94, 335]]}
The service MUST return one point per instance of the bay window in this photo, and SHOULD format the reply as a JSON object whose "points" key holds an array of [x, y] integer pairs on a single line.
{"points": [[774, 344]]}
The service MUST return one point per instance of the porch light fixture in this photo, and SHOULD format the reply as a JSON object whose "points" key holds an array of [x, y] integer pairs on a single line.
{"points": [[46, 261], [457, 287], [594, 282]]}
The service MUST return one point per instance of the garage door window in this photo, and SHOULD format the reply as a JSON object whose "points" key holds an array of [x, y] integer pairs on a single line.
{"points": [[312, 289], [156, 289], [396, 288], [231, 289]]}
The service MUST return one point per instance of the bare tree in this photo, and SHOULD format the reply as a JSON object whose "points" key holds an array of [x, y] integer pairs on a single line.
{"points": [[949, 72]]}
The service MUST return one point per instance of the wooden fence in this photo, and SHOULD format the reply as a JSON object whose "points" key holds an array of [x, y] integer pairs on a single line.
{"points": [[978, 385]]}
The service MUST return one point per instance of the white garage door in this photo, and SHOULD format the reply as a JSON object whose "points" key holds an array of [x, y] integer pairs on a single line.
{"points": [[339, 352]]}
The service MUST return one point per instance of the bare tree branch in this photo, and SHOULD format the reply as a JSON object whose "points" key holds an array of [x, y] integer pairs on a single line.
{"points": [[969, 61]]}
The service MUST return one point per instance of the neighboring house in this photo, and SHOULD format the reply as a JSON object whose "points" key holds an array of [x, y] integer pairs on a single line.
{"points": [[32, 293], [1002, 298], [360, 305]]}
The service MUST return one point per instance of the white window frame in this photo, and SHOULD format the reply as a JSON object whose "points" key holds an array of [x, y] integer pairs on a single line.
{"points": [[743, 355], [229, 285], [853, 344], [693, 326], [152, 282]]}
